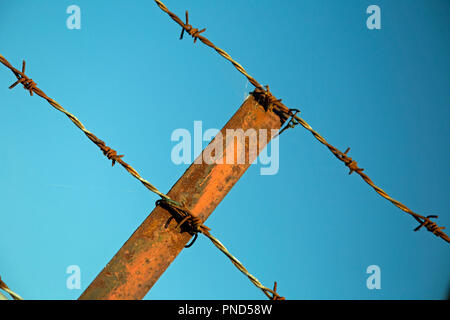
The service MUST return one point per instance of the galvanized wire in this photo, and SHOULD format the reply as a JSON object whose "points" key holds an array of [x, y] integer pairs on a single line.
{"points": [[267, 99]]}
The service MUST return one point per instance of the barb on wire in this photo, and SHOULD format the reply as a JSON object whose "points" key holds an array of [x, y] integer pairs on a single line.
{"points": [[194, 225], [350, 163], [265, 97], [430, 225], [193, 32], [188, 220], [27, 83], [5, 288]]}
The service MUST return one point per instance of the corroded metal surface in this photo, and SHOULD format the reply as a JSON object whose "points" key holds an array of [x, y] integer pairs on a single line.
{"points": [[156, 243]]}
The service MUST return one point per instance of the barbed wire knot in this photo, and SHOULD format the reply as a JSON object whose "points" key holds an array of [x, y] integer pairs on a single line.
{"points": [[111, 154], [350, 163], [430, 225], [274, 295], [292, 121], [193, 32], [186, 220], [27, 83], [266, 98]]}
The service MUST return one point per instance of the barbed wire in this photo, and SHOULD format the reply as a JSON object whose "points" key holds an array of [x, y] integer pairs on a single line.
{"points": [[5, 288], [271, 103], [111, 154]]}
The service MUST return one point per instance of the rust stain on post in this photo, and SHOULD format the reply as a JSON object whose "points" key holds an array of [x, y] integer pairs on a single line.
{"points": [[155, 244]]}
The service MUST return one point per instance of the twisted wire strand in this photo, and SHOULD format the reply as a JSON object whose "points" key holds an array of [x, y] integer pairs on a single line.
{"points": [[111, 154], [195, 225], [271, 294], [5, 288], [271, 103]]}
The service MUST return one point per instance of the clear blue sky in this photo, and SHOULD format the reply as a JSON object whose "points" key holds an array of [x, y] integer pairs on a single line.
{"points": [[311, 227]]}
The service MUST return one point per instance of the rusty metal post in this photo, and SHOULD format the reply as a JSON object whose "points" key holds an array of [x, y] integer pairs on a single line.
{"points": [[155, 244]]}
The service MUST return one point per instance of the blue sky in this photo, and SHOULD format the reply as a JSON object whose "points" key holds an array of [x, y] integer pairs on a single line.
{"points": [[311, 227]]}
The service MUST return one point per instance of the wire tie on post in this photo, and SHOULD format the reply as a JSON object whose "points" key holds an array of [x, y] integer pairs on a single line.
{"points": [[193, 225], [275, 295]]}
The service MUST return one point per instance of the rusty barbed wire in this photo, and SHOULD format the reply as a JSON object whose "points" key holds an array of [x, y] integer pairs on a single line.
{"points": [[190, 220], [5, 288], [291, 123], [271, 103]]}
